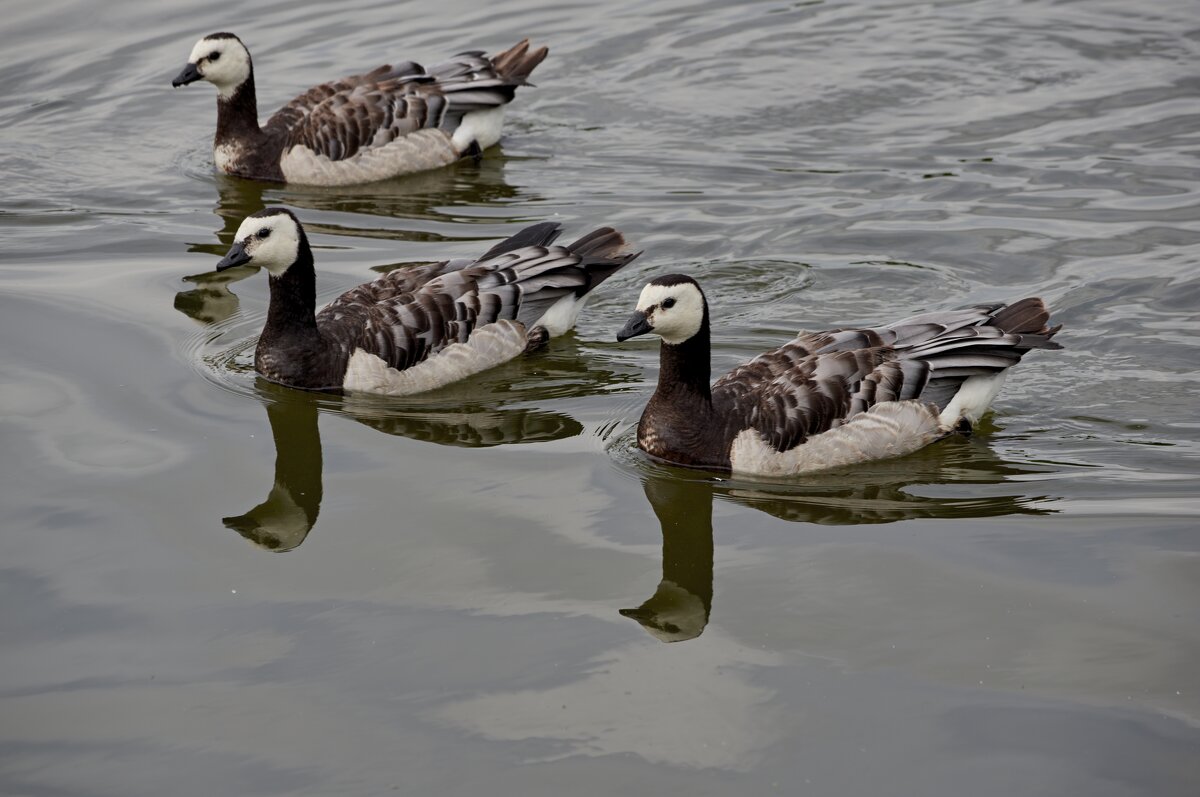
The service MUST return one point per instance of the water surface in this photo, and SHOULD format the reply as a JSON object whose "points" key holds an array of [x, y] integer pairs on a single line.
{"points": [[216, 586]]}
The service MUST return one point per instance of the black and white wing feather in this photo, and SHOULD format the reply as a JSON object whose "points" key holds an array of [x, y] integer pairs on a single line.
{"points": [[820, 380], [406, 318], [345, 117]]}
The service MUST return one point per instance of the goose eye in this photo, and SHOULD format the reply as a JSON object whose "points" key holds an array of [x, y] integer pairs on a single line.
{"points": [[668, 303], [214, 55], [265, 232]]}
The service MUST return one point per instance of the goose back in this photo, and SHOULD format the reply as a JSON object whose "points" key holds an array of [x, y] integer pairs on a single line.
{"points": [[397, 119]]}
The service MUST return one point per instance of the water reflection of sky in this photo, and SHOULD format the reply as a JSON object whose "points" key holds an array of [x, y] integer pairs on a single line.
{"points": [[486, 580]]}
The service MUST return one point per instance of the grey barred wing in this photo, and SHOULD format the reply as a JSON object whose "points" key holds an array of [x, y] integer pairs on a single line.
{"points": [[816, 383], [407, 315], [395, 284], [344, 117], [336, 92], [341, 122]]}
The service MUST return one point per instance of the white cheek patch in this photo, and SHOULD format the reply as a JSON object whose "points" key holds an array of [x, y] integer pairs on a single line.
{"points": [[652, 295], [202, 48], [279, 250], [247, 228], [679, 322], [229, 71]]}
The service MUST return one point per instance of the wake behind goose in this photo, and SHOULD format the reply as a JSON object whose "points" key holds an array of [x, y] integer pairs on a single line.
{"points": [[418, 329], [395, 119], [826, 399]]}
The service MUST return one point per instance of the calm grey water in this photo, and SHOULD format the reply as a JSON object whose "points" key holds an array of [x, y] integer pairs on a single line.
{"points": [[213, 586]]}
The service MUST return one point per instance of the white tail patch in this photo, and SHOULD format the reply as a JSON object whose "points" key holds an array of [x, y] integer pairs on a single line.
{"points": [[562, 315], [487, 347], [481, 126], [890, 429], [972, 399]]}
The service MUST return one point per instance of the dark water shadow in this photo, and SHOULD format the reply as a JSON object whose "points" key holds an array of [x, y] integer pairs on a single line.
{"points": [[454, 194], [290, 511], [877, 493]]}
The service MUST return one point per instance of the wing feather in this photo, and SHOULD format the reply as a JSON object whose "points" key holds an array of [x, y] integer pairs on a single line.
{"points": [[341, 118], [821, 380], [407, 315]]}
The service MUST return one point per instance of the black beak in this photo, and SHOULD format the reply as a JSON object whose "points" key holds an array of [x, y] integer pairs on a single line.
{"points": [[236, 256], [638, 324], [190, 74]]}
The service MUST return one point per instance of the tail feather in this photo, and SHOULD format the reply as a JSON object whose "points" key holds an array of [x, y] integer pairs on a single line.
{"points": [[982, 332], [989, 361], [1041, 341], [604, 251], [473, 81], [1028, 318], [537, 235], [518, 62], [1026, 315], [973, 353], [526, 278]]}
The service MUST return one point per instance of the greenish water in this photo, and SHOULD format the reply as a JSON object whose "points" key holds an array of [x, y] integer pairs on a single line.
{"points": [[211, 585]]}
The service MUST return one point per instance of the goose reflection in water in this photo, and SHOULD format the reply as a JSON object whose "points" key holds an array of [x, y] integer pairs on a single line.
{"points": [[678, 610], [289, 513], [281, 522], [284, 519], [428, 196], [473, 414], [682, 501]]}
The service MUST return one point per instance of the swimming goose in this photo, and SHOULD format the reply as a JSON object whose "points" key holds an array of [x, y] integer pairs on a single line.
{"points": [[416, 329], [390, 121], [826, 399]]}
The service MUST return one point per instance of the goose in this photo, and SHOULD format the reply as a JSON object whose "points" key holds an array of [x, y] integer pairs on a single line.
{"points": [[417, 329], [395, 119], [826, 399]]}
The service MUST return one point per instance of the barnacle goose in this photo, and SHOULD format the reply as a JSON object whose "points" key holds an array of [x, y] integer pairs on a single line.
{"points": [[417, 329], [826, 399], [395, 119]]}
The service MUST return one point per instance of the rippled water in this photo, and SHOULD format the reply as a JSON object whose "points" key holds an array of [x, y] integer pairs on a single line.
{"points": [[478, 584]]}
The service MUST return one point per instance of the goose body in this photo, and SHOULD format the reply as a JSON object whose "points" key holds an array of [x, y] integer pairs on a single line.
{"points": [[417, 329], [825, 399], [395, 119]]}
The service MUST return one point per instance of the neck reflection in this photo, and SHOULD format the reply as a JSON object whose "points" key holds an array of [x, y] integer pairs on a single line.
{"points": [[283, 520], [877, 493], [679, 608]]}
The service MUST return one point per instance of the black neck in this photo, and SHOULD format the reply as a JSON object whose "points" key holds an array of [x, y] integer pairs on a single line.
{"points": [[237, 115], [685, 368], [293, 298]]}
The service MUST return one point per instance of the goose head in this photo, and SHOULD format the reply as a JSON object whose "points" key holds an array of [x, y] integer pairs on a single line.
{"points": [[219, 58], [672, 307], [270, 239]]}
